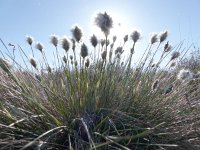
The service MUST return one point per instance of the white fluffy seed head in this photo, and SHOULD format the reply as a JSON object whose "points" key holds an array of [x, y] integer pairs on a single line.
{"points": [[184, 75], [135, 36], [104, 22], [65, 44], [163, 36], [54, 40], [154, 38], [175, 55], [29, 40], [33, 62], [77, 33], [87, 62], [94, 41], [103, 55], [39, 46]]}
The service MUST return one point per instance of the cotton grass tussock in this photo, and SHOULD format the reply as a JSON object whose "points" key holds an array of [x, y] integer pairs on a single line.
{"points": [[115, 104]]}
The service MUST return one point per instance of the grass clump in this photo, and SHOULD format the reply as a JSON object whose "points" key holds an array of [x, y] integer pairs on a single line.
{"points": [[99, 102]]}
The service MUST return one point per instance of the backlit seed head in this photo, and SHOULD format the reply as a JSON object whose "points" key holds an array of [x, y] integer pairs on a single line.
{"points": [[125, 38], [167, 47], [84, 50], [33, 63], [54, 40], [65, 59], [118, 56], [71, 57], [153, 65], [135, 36], [104, 22], [49, 69], [39, 46], [184, 75], [163, 36], [73, 44], [94, 41], [154, 38], [65, 44], [77, 33], [103, 55], [75, 63], [173, 64], [111, 46], [175, 55], [119, 50], [114, 38], [102, 42], [107, 42], [87, 62], [29, 40]]}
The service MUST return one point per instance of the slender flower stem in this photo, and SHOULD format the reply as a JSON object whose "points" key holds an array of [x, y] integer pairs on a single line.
{"points": [[131, 55], [57, 57], [32, 50]]}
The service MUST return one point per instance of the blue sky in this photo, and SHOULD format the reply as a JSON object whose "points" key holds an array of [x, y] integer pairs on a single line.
{"points": [[41, 18]]}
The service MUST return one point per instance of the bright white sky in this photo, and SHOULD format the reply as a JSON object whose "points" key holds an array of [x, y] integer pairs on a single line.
{"points": [[42, 18]]}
